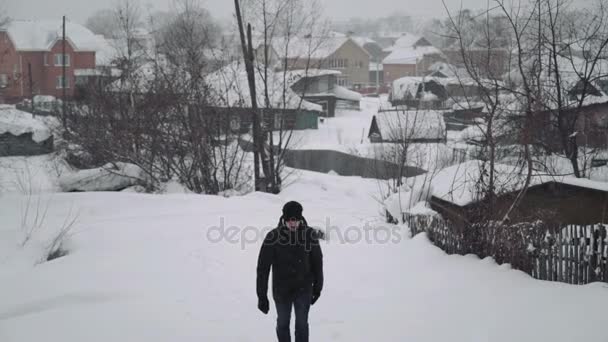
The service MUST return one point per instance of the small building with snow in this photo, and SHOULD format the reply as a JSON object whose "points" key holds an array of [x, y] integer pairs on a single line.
{"points": [[551, 199], [332, 51], [321, 87], [399, 126], [23, 135], [230, 101]]}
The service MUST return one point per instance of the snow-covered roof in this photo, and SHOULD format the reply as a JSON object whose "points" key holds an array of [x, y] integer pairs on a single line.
{"points": [[404, 40], [40, 35], [410, 55], [230, 88], [17, 122], [316, 47], [296, 75], [361, 41], [346, 94], [459, 184], [407, 87], [410, 125], [572, 71]]}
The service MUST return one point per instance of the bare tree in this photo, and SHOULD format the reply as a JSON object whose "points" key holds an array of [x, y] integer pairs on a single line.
{"points": [[575, 47], [288, 28], [103, 22], [159, 115]]}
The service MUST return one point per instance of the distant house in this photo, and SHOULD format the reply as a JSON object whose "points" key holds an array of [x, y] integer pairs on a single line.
{"points": [[32, 60], [336, 52], [400, 126], [230, 101], [377, 54], [321, 87], [418, 92], [590, 130], [410, 56], [492, 62], [559, 199]]}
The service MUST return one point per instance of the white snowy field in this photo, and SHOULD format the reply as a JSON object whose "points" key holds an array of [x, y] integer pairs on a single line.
{"points": [[142, 268]]}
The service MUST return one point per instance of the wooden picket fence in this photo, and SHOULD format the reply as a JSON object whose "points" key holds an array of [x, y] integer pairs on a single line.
{"points": [[564, 253]]}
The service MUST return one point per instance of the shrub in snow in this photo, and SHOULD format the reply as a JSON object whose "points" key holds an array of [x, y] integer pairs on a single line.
{"points": [[407, 197], [110, 177], [42, 237]]}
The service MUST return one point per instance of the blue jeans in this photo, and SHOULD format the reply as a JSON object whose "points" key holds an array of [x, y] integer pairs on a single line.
{"points": [[301, 305]]}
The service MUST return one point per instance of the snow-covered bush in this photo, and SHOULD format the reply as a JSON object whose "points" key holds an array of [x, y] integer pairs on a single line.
{"points": [[110, 177]]}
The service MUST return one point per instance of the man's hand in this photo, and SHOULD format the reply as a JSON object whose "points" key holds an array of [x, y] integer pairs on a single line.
{"points": [[315, 297], [263, 305]]}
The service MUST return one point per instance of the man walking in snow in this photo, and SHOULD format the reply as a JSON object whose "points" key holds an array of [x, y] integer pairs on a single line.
{"points": [[293, 252]]}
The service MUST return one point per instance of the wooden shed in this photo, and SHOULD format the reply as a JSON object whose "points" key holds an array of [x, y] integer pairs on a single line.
{"points": [[397, 126]]}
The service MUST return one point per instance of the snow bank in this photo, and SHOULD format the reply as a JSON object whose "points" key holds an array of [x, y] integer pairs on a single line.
{"points": [[31, 175], [17, 122], [408, 198], [110, 177]]}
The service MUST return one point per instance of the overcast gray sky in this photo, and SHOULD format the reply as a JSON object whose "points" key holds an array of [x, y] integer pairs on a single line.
{"points": [[79, 10]]}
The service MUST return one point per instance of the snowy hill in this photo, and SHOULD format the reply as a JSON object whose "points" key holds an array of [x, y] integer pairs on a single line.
{"points": [[148, 268]]}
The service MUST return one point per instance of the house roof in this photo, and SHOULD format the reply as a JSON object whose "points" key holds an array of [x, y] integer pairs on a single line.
{"points": [[409, 125], [408, 49], [230, 88], [410, 55], [408, 86], [40, 35], [459, 184], [317, 47], [293, 76]]}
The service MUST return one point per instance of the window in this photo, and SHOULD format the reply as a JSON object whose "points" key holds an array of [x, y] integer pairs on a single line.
{"points": [[60, 83], [235, 123], [339, 63], [46, 59], [343, 81], [278, 122], [3, 80], [59, 60]]}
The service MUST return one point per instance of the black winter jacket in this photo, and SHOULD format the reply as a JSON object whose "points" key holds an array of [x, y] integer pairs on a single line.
{"points": [[296, 260]]}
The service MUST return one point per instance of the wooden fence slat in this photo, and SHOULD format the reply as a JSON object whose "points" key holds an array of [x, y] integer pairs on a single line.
{"points": [[560, 258], [566, 246], [549, 264], [572, 258]]}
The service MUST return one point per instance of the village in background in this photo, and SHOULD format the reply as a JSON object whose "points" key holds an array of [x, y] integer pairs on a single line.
{"points": [[480, 132]]}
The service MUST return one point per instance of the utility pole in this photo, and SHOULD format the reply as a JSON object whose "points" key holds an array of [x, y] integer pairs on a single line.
{"points": [[378, 75], [248, 58], [31, 84], [63, 76]]}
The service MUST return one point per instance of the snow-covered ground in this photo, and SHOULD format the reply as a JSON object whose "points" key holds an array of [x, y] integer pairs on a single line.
{"points": [[148, 268], [347, 132]]}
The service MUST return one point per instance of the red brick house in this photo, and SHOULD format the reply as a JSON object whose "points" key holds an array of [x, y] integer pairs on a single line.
{"points": [[38, 46]]}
